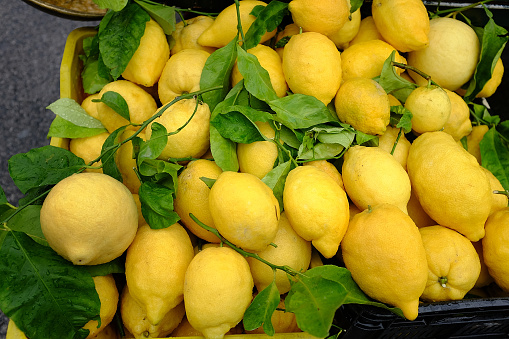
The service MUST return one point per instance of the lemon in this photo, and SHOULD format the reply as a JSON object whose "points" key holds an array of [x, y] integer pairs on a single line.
{"points": [[325, 17], [403, 23], [387, 140], [224, 28], [134, 318], [363, 104], [458, 125], [193, 197], [496, 79], [312, 66], [193, 139], [353, 210], [140, 103], [108, 295], [484, 278], [499, 201], [89, 149], [184, 329], [317, 208], [126, 163], [147, 63], [367, 31], [453, 264], [366, 59], [287, 32], [292, 250], [13, 332], [345, 34], [449, 183], [430, 107], [270, 60], [417, 213], [90, 106], [495, 250], [451, 56], [473, 140], [372, 176], [258, 157], [244, 210], [181, 74], [188, 31], [89, 218], [157, 284], [383, 250], [328, 168], [141, 219], [283, 322], [218, 289]]}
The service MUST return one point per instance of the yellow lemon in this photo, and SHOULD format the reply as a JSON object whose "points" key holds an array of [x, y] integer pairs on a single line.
{"points": [[325, 17], [417, 213], [473, 140], [451, 56], [90, 106], [387, 140], [345, 34], [126, 163], [270, 60], [287, 32], [449, 183], [328, 168], [244, 210], [258, 157], [496, 79], [108, 295], [499, 201], [383, 250], [135, 320], [158, 284], [366, 59], [89, 218], [192, 138], [317, 208], [484, 276], [312, 66], [188, 31], [193, 197], [363, 104], [147, 63], [403, 23], [181, 74], [89, 149], [430, 107], [224, 28], [453, 264], [141, 219], [13, 332], [218, 290], [495, 248], [372, 176], [140, 103], [367, 31], [292, 250], [458, 125]]}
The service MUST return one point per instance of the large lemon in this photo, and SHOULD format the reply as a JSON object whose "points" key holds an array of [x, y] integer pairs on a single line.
{"points": [[325, 17]]}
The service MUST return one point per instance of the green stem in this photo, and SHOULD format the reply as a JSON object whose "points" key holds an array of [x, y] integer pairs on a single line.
{"points": [[284, 268], [413, 69], [504, 192], [442, 281], [189, 10], [20, 208], [239, 24], [396, 142], [452, 10]]}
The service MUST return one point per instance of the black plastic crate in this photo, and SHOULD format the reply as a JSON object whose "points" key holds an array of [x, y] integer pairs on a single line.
{"points": [[467, 318]]}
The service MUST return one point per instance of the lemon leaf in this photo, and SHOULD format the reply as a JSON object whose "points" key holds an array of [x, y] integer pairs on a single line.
{"points": [[153, 147], [256, 78], [62, 128], [157, 205], [26, 220], [495, 155], [401, 118], [42, 167], [392, 83], [276, 179], [71, 111], [164, 15], [237, 127], [267, 19], [261, 309], [223, 150], [108, 154], [116, 102], [39, 289]]}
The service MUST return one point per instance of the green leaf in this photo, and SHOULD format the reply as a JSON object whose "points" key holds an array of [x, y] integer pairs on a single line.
{"points": [[267, 19], [482, 115], [164, 15], [392, 83], [217, 72], [115, 5], [261, 309], [276, 179], [223, 150], [116, 102], [301, 111], [237, 127], [365, 139], [62, 128], [27, 220], [109, 148], [68, 109], [401, 118], [493, 41], [39, 290], [42, 167], [117, 265], [120, 37], [355, 5], [209, 182], [290, 137], [256, 78], [153, 147], [325, 142], [92, 80], [157, 205], [495, 156]]}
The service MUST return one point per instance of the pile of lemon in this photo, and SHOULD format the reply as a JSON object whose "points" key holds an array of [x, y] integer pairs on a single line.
{"points": [[413, 219]]}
